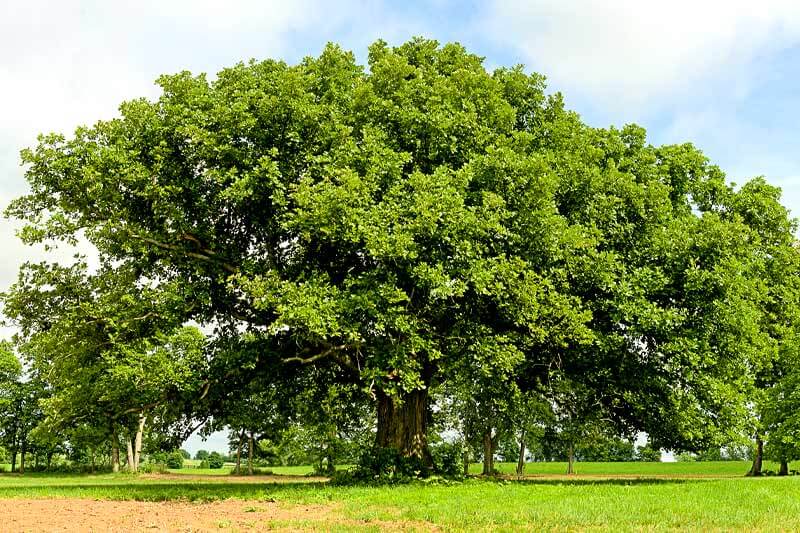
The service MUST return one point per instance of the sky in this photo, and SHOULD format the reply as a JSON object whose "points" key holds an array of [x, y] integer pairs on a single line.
{"points": [[724, 75]]}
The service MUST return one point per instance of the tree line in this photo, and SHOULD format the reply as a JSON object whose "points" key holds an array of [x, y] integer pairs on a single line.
{"points": [[397, 256]]}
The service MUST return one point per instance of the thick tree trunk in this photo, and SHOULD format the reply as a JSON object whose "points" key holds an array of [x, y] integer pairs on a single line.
{"points": [[137, 452], [403, 425], [131, 462], [784, 468], [521, 460], [250, 454], [571, 459], [488, 453], [758, 458], [238, 468]]}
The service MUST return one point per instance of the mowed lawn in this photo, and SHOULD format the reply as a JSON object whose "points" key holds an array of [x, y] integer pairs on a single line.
{"points": [[663, 496]]}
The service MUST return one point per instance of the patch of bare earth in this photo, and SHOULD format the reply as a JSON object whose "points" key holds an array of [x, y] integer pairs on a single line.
{"points": [[228, 515], [235, 479]]}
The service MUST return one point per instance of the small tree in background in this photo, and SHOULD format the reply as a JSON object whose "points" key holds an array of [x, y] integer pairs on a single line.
{"points": [[215, 460]]}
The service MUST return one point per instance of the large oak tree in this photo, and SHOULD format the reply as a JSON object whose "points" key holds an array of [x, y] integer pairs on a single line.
{"points": [[403, 221]]}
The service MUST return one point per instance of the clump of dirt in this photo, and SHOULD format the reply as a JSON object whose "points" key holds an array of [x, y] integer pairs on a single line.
{"points": [[226, 515]]}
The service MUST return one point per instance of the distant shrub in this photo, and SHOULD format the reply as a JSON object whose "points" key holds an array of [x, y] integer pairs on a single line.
{"points": [[203, 464], [448, 459], [153, 468], [215, 460], [175, 460], [256, 472]]}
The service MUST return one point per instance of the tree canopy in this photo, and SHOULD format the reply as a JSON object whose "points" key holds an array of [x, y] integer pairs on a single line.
{"points": [[404, 225]]}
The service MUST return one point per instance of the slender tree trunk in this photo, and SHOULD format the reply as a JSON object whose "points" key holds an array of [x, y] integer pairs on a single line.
{"points": [[138, 450], [36, 462], [239, 453], [403, 425], [22, 458], [331, 466], [131, 462], [466, 461], [114, 453], [250, 454], [784, 469], [521, 460], [91, 452], [49, 459], [571, 463], [758, 458], [488, 453], [14, 460]]}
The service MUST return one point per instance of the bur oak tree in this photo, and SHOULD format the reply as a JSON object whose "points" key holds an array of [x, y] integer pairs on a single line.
{"points": [[403, 221]]}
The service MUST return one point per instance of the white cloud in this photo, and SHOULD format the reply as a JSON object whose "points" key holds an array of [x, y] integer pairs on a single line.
{"points": [[628, 54], [65, 63]]}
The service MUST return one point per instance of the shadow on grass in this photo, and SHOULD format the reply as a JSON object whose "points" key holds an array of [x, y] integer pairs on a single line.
{"points": [[305, 492], [142, 491], [610, 481]]}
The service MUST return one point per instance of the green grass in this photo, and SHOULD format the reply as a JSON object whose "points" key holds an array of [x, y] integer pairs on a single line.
{"points": [[652, 502], [715, 468]]}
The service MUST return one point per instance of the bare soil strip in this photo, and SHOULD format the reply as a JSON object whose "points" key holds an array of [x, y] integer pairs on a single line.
{"points": [[274, 478], [46, 515]]}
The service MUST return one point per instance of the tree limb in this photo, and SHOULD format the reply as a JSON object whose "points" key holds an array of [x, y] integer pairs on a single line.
{"points": [[208, 255], [321, 355]]}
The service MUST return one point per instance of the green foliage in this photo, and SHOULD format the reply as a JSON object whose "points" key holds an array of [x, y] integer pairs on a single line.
{"points": [[175, 459], [157, 467], [201, 455], [415, 224], [448, 460], [215, 461], [648, 453], [381, 466]]}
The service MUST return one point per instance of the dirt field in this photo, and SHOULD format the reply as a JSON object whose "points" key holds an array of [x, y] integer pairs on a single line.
{"points": [[229, 515]]}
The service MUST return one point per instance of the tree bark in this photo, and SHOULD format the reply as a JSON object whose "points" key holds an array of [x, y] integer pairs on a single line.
{"points": [[571, 459], [22, 459], [239, 453], [14, 460], [250, 442], [114, 454], [466, 461], [758, 458], [403, 425], [138, 449], [521, 460], [784, 468], [131, 462], [488, 453]]}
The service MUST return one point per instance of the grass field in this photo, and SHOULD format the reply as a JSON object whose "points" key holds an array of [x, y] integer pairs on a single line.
{"points": [[720, 468], [610, 496]]}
